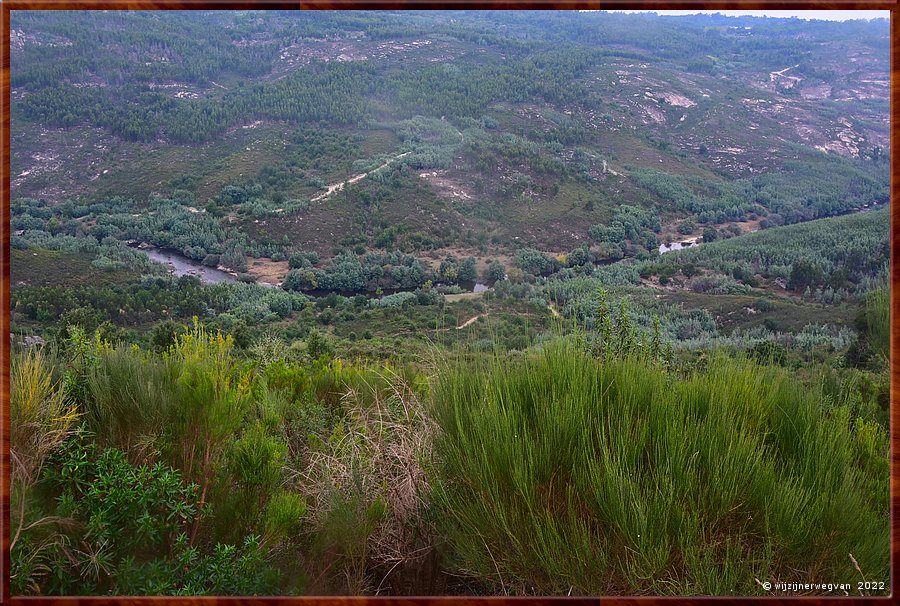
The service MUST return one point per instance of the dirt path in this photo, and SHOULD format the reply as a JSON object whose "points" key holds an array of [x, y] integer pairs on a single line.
{"points": [[608, 169], [553, 311], [469, 321], [463, 296], [354, 179], [772, 75]]}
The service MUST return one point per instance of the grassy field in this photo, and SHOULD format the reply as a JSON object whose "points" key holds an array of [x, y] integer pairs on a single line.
{"points": [[40, 267]]}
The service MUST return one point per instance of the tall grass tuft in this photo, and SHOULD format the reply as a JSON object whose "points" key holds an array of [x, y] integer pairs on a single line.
{"points": [[213, 394], [128, 398], [878, 322], [40, 420], [366, 483], [560, 474]]}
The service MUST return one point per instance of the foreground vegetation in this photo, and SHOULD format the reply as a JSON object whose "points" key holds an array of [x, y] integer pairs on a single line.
{"points": [[561, 475], [592, 463]]}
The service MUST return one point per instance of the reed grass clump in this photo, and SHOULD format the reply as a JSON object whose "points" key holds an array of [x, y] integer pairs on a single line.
{"points": [[561, 474], [878, 322], [40, 416]]}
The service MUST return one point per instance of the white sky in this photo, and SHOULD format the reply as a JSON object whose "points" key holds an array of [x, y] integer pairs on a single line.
{"points": [[825, 15]]}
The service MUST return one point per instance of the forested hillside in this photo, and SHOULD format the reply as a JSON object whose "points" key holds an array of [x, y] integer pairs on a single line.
{"points": [[378, 302]]}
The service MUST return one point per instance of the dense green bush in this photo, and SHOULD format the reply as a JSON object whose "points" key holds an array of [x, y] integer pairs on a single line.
{"points": [[495, 271], [303, 259], [128, 523], [396, 300], [686, 227], [533, 261], [554, 466]]}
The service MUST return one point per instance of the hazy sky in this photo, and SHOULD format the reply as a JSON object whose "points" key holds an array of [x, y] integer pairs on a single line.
{"points": [[826, 15]]}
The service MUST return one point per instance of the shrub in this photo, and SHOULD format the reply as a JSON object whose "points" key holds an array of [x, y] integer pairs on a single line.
{"points": [[533, 261], [319, 346], [553, 466], [367, 481], [213, 395], [165, 334], [687, 227], [719, 285], [303, 259], [689, 270], [495, 271], [467, 271], [107, 264], [40, 420], [395, 300], [256, 460], [129, 531], [300, 280], [805, 274], [764, 305], [210, 260]]}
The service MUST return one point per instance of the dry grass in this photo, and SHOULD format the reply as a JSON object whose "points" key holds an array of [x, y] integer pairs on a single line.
{"points": [[375, 465], [40, 419]]}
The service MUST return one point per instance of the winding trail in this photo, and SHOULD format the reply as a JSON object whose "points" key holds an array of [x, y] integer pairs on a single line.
{"points": [[469, 321], [781, 74], [553, 311], [354, 179]]}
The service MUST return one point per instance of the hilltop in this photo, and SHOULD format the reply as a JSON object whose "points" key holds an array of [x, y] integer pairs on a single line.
{"points": [[481, 133]]}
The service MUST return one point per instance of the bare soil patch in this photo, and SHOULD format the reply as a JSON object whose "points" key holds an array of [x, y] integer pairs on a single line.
{"points": [[266, 270]]}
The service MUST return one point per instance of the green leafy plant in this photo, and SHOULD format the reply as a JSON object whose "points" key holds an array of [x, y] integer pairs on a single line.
{"points": [[126, 534], [41, 418]]}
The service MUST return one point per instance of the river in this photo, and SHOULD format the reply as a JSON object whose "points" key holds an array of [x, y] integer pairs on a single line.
{"points": [[180, 265]]}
